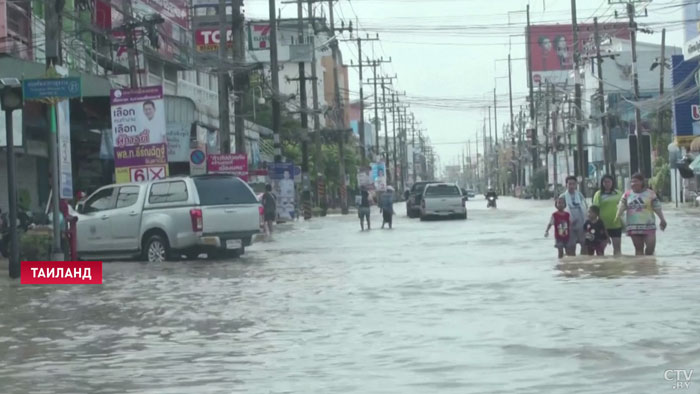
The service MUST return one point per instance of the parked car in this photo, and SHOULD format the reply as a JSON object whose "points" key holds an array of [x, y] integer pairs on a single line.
{"points": [[415, 196], [471, 193], [165, 219], [443, 200]]}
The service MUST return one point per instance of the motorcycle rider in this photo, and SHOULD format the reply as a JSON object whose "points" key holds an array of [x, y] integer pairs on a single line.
{"points": [[491, 194]]}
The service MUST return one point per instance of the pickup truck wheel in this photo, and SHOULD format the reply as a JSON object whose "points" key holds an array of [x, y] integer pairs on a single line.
{"points": [[156, 249]]}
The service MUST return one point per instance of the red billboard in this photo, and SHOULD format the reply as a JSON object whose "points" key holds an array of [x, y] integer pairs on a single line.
{"points": [[208, 39], [552, 48]]}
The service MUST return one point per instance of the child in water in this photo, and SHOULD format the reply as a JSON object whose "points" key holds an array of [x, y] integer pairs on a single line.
{"points": [[561, 220], [596, 235]]}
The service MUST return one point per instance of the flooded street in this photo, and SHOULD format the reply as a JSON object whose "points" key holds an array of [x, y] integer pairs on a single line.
{"points": [[476, 306]]}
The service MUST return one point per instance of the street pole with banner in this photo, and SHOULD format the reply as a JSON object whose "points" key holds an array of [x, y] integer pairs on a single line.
{"points": [[52, 90]]}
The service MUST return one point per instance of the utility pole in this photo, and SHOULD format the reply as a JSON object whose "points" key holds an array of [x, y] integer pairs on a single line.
{"points": [[387, 160], [393, 126], [555, 145], [318, 168], [306, 192], [375, 64], [637, 112], [413, 147], [339, 118], [577, 100], [546, 131], [128, 35], [535, 146], [512, 120], [662, 66], [601, 103], [498, 154], [360, 64], [486, 162], [240, 78], [224, 114], [54, 57], [274, 71]]}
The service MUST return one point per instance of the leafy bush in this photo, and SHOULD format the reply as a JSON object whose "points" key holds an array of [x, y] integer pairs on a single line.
{"points": [[35, 246]]}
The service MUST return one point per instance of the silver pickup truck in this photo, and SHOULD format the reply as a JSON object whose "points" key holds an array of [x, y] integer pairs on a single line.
{"points": [[165, 219]]}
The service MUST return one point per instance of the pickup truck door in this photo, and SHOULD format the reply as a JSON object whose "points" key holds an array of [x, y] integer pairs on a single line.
{"points": [[93, 221], [125, 220]]}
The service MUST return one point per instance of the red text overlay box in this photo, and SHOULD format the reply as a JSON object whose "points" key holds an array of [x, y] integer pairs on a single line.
{"points": [[61, 273]]}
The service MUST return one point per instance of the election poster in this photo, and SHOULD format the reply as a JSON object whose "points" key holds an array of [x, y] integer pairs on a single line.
{"points": [[281, 178], [379, 176], [139, 134]]}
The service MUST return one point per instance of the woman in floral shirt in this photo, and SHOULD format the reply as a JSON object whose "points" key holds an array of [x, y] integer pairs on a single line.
{"points": [[640, 204]]}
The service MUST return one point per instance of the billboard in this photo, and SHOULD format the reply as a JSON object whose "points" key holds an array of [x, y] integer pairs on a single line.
{"points": [[691, 18], [208, 39], [551, 48], [258, 36], [139, 134], [686, 99]]}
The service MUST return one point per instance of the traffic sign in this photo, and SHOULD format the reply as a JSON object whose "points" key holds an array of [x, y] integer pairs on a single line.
{"points": [[197, 156], [51, 88]]}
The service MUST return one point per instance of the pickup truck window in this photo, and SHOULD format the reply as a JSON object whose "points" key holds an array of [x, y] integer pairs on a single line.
{"points": [[223, 191], [101, 201], [164, 192], [128, 195], [442, 190]]}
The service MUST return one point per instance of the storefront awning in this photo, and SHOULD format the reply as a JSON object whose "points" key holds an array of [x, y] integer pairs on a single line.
{"points": [[11, 67]]}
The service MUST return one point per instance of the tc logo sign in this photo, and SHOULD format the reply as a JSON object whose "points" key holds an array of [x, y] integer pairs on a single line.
{"points": [[680, 377]]}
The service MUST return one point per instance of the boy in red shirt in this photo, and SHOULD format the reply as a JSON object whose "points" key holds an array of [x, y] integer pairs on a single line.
{"points": [[562, 223]]}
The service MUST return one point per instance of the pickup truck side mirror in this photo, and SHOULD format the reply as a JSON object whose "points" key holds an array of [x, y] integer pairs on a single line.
{"points": [[80, 206]]}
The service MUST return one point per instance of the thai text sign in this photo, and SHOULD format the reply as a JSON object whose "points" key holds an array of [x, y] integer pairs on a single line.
{"points": [[236, 164], [207, 40], [139, 134], [37, 89]]}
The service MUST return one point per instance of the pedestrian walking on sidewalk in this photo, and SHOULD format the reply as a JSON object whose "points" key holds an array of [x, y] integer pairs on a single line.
{"points": [[607, 199], [387, 206], [639, 204], [363, 209], [269, 203]]}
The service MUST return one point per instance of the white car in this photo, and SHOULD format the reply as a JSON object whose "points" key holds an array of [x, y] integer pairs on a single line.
{"points": [[163, 219], [443, 200]]}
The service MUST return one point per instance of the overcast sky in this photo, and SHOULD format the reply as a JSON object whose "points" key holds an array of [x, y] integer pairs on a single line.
{"points": [[451, 49]]}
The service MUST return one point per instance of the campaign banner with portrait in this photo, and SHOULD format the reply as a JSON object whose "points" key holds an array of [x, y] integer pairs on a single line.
{"points": [[364, 178], [379, 176], [139, 134], [551, 48], [282, 179]]}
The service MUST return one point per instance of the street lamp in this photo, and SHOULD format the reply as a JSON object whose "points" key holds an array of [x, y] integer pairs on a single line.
{"points": [[11, 99]]}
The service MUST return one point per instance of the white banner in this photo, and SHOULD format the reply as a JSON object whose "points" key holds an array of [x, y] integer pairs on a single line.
{"points": [[64, 159], [138, 116], [16, 128]]}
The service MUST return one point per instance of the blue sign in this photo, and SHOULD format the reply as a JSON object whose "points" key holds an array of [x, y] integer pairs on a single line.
{"points": [[686, 102], [38, 89], [276, 171], [197, 157]]}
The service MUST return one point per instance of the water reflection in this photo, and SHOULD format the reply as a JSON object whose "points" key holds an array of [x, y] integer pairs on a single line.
{"points": [[608, 266]]}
